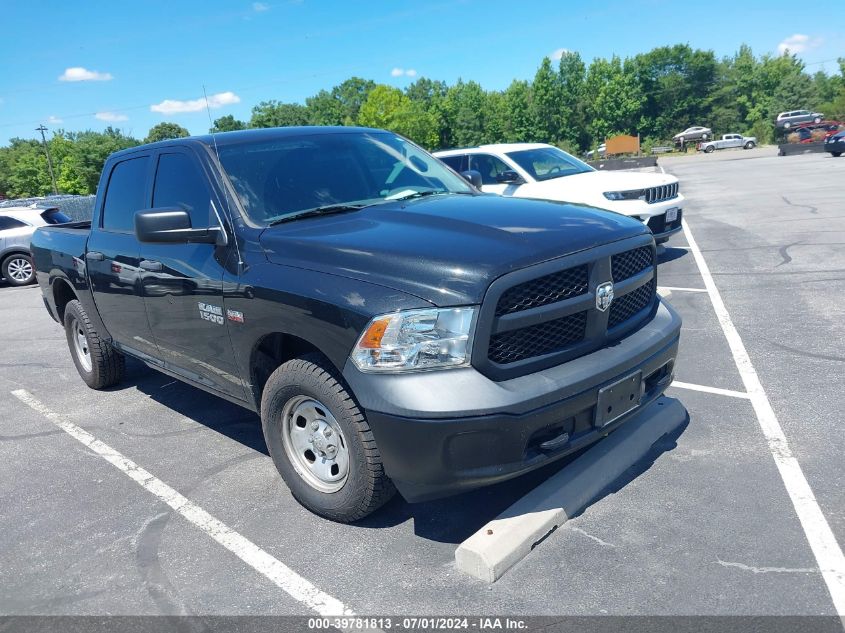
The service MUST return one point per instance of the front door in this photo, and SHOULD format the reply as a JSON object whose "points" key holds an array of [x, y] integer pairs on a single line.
{"points": [[183, 283], [490, 167]]}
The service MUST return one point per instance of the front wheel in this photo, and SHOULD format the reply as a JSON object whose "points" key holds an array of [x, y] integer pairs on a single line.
{"points": [[18, 270], [99, 364], [709, 149], [817, 120], [321, 442], [749, 145], [836, 154], [787, 125]]}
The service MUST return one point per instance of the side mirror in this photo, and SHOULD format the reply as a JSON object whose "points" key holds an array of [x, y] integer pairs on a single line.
{"points": [[174, 226], [472, 177], [509, 177]]}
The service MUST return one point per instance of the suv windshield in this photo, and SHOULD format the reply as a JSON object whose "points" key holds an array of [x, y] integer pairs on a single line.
{"points": [[545, 163], [289, 175]]}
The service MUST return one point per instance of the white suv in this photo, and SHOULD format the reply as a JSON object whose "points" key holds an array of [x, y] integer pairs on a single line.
{"points": [[537, 170]]}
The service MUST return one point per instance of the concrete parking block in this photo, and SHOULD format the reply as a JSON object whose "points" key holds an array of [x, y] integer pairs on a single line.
{"points": [[511, 536]]}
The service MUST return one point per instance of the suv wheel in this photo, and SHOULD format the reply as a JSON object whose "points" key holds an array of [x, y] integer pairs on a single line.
{"points": [[321, 443], [18, 270], [98, 363]]}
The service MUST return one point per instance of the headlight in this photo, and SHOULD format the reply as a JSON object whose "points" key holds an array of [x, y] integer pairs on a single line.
{"points": [[415, 340], [634, 194]]}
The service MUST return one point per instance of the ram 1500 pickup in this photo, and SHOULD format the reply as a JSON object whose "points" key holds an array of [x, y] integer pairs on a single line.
{"points": [[394, 327]]}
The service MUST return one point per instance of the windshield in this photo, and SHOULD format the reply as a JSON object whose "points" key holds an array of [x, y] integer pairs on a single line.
{"points": [[545, 163], [288, 175]]}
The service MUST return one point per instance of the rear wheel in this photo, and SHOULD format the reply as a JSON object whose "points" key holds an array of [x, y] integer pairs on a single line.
{"points": [[787, 125], [321, 443], [18, 269], [817, 120], [836, 154], [99, 364]]}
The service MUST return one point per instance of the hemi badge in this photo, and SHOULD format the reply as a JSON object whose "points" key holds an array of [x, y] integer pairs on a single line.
{"points": [[234, 315]]}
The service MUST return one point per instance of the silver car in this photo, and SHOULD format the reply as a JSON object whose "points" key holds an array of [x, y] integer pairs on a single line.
{"points": [[786, 120], [17, 224]]}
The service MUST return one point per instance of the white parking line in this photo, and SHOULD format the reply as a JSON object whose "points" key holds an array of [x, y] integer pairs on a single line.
{"points": [[292, 583], [706, 389], [671, 288], [829, 556]]}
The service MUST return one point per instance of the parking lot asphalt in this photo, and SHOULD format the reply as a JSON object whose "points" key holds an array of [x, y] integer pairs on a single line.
{"points": [[703, 525]]}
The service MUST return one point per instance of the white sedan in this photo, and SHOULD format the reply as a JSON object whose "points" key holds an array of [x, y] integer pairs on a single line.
{"points": [[537, 170]]}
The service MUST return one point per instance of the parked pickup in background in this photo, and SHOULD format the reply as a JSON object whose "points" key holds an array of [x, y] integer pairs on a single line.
{"points": [[729, 140], [394, 327]]}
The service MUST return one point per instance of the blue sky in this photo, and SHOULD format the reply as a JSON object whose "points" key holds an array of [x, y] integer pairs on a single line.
{"points": [[133, 64]]}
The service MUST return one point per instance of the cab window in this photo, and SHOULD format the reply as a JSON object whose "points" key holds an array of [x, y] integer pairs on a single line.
{"points": [[179, 184], [125, 195]]}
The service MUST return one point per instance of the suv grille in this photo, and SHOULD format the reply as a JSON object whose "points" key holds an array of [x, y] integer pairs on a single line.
{"points": [[544, 321], [544, 290], [659, 194]]}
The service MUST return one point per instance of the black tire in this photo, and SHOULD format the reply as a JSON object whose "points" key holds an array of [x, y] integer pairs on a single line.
{"points": [[16, 264], [105, 366], [749, 145], [836, 154], [817, 120], [709, 149], [787, 125], [366, 487]]}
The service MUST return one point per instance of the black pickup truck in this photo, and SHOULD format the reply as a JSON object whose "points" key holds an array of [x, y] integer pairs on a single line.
{"points": [[394, 327]]}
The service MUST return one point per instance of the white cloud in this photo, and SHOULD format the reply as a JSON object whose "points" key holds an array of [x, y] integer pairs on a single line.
{"points": [[54, 120], [111, 117], [78, 73], [260, 7], [558, 53], [172, 106], [798, 43], [403, 72]]}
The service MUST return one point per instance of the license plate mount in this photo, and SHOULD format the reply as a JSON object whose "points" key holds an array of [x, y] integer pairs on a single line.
{"points": [[620, 398], [671, 214]]}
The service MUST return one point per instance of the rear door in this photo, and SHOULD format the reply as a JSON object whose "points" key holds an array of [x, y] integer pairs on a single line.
{"points": [[113, 256], [183, 283]]}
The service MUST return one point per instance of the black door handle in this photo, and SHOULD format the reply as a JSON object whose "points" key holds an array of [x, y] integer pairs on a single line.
{"points": [[94, 256], [148, 264]]}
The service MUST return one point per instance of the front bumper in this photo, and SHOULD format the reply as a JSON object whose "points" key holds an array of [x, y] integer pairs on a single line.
{"points": [[445, 432]]}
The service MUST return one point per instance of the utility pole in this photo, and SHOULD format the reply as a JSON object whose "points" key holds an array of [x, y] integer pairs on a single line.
{"points": [[43, 129]]}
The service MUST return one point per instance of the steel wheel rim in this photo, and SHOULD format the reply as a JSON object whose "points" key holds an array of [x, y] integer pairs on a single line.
{"points": [[19, 269], [314, 444], [80, 345]]}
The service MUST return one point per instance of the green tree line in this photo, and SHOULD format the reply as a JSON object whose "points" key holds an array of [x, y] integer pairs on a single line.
{"points": [[568, 102]]}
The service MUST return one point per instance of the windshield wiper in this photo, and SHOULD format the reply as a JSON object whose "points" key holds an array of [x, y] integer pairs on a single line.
{"points": [[420, 194], [326, 210]]}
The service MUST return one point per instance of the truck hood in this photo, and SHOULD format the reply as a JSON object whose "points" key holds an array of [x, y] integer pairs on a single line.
{"points": [[444, 249]]}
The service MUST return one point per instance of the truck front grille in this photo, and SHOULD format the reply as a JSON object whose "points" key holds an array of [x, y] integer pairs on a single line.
{"points": [[628, 305], [659, 194], [625, 265], [544, 290], [537, 340], [546, 315]]}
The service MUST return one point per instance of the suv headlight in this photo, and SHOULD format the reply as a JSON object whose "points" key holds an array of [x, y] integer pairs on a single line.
{"points": [[634, 194], [414, 340]]}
